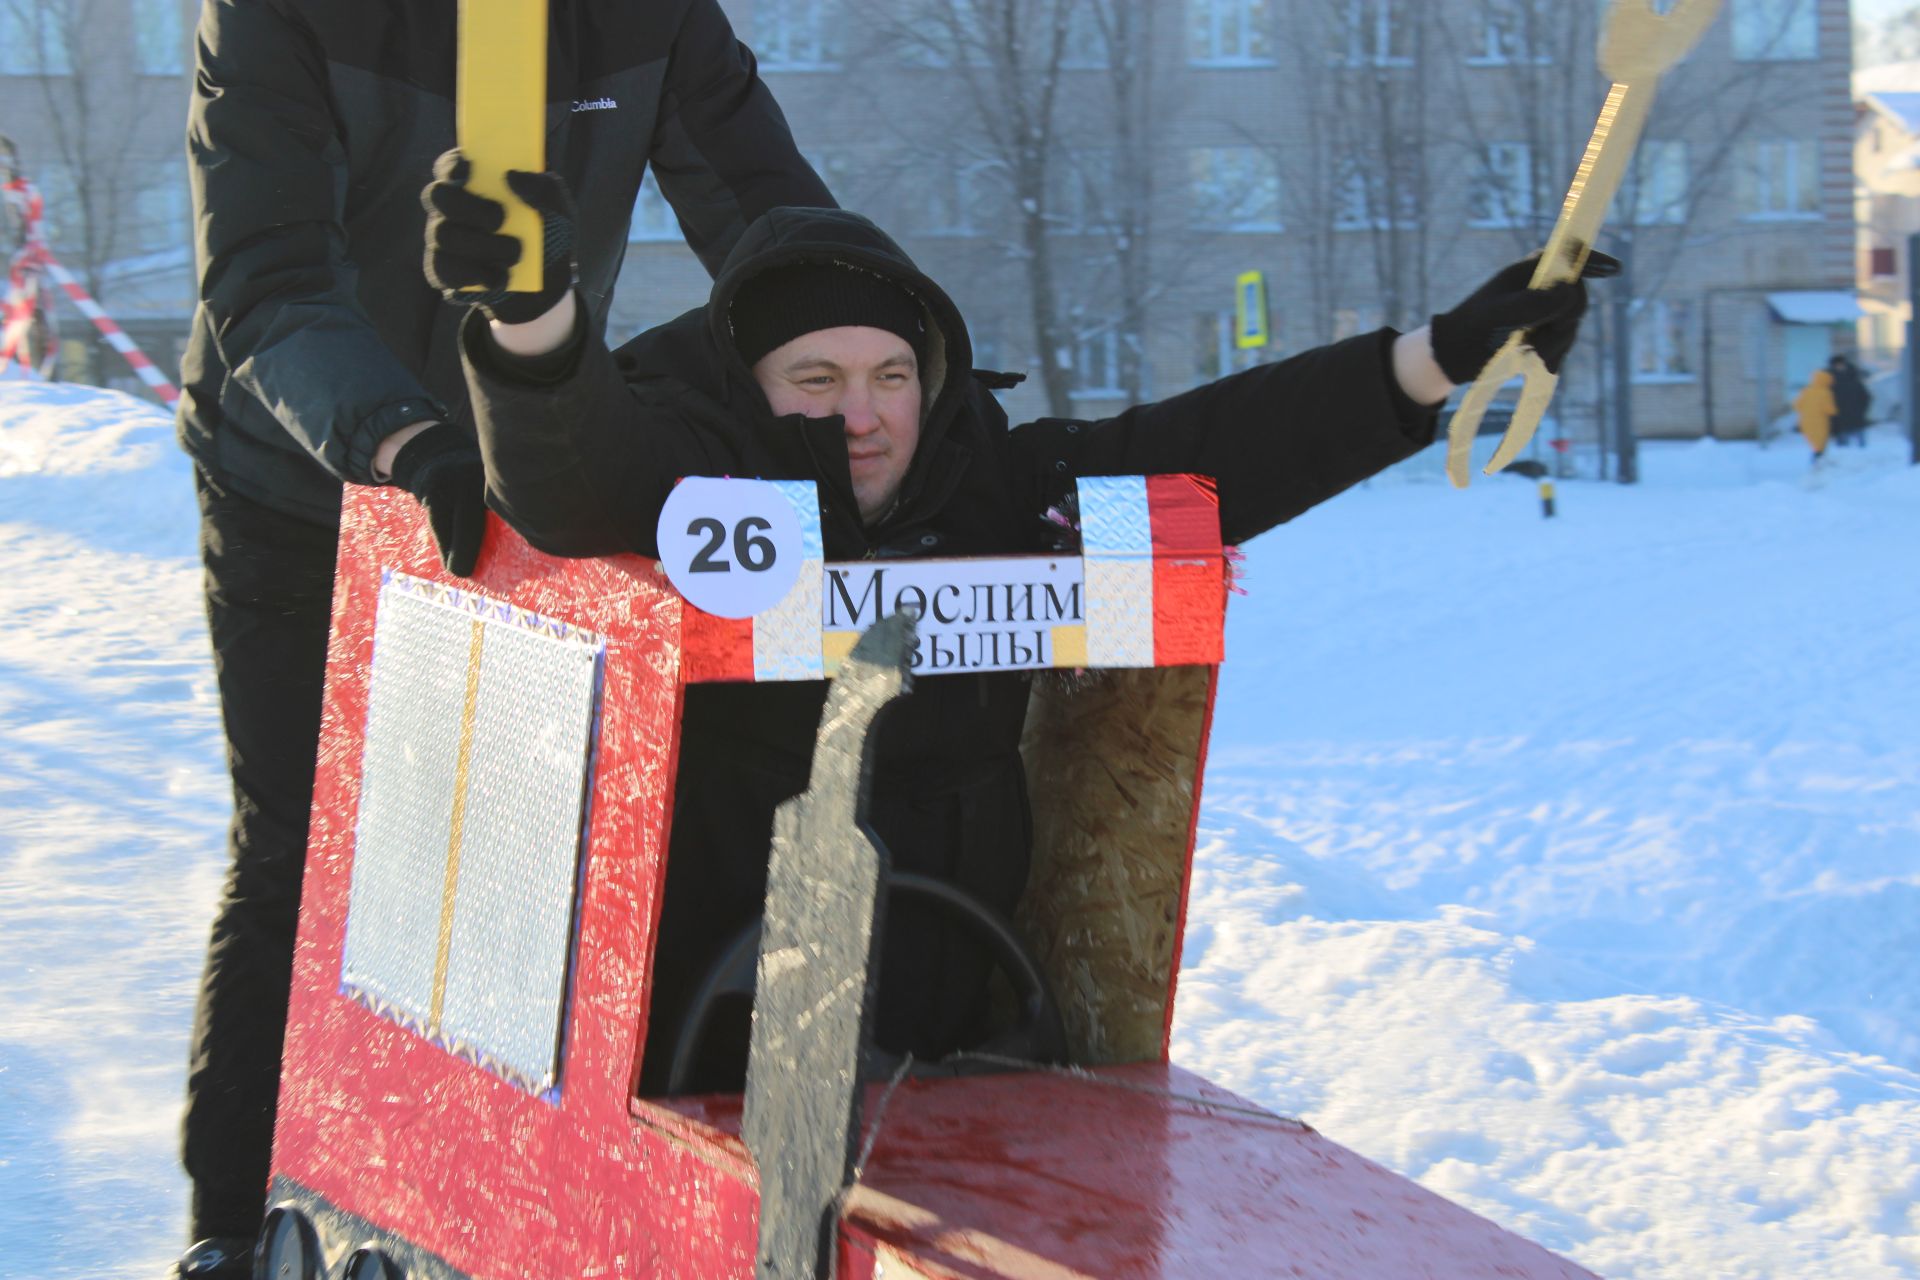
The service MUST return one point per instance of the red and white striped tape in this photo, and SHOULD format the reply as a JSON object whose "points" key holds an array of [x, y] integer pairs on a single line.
{"points": [[111, 332], [34, 257], [24, 270]]}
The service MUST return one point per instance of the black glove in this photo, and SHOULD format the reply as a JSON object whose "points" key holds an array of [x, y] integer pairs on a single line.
{"points": [[466, 252], [441, 468], [1466, 338]]}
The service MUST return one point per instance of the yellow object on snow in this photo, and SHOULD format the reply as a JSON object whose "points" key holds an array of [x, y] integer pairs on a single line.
{"points": [[1816, 407]]}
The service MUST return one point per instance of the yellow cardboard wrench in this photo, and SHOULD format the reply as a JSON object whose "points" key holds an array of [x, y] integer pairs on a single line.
{"points": [[500, 114], [1636, 49]]}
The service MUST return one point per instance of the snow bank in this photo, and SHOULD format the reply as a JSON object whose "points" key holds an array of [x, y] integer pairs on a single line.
{"points": [[1571, 867]]}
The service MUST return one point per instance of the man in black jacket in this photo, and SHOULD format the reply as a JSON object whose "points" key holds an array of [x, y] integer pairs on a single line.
{"points": [[824, 354], [318, 355]]}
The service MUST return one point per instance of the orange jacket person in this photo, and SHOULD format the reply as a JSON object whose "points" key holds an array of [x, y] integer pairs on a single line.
{"points": [[1816, 407]]}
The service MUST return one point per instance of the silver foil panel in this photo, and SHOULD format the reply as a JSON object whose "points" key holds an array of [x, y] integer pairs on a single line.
{"points": [[787, 637], [1115, 519], [1116, 537], [480, 724], [1119, 611], [415, 705]]}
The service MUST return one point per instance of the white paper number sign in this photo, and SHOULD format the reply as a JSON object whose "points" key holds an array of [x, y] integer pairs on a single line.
{"points": [[731, 547]]}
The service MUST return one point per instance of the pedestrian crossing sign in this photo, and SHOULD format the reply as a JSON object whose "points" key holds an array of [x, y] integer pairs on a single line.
{"points": [[1250, 310]]}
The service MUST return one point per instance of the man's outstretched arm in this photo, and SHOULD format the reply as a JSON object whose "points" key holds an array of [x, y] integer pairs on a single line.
{"points": [[1283, 437]]}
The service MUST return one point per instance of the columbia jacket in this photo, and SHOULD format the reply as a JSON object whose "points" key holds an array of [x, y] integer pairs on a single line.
{"points": [[582, 450], [312, 128]]}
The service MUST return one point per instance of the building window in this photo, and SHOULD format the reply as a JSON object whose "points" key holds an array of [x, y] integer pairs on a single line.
{"points": [[1216, 354], [1100, 366], [1230, 33], [160, 211], [1377, 33], [1509, 32], [1080, 189], [1882, 263], [1503, 196], [951, 199], [157, 38], [797, 35], [1234, 189], [64, 218], [955, 38], [1775, 30], [653, 217], [1085, 47], [1365, 199], [1663, 340], [986, 347], [1349, 322], [33, 40], [1781, 179], [1655, 192]]}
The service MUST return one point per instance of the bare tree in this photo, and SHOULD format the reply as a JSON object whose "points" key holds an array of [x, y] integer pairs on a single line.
{"points": [[1059, 118], [1537, 117], [1377, 104], [99, 166], [1309, 164], [1007, 56], [1125, 37]]}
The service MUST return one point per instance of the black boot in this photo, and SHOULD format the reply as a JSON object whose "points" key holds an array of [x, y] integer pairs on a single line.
{"points": [[216, 1258]]}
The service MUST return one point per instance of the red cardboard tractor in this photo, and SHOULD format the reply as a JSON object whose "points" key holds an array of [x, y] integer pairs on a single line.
{"points": [[483, 886]]}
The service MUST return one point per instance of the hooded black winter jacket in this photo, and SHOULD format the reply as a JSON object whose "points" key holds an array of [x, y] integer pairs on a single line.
{"points": [[581, 458], [314, 124]]}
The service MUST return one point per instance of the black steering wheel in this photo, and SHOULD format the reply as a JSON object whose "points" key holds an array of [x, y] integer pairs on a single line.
{"points": [[1038, 1035]]}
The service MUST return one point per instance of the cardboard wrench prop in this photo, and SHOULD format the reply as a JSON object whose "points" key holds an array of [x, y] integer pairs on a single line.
{"points": [[1637, 48]]}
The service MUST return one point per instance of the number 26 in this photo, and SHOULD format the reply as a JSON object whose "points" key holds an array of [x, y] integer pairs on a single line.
{"points": [[755, 552]]}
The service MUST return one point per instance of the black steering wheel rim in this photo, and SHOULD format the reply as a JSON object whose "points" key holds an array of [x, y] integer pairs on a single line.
{"points": [[1038, 1035]]}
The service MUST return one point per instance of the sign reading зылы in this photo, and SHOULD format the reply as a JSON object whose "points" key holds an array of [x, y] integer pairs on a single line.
{"points": [[1147, 588]]}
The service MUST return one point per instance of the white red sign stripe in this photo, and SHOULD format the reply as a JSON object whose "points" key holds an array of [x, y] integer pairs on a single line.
{"points": [[112, 332]]}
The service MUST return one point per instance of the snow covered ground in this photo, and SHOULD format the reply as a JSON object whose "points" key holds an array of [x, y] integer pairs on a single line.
{"points": [[1570, 866]]}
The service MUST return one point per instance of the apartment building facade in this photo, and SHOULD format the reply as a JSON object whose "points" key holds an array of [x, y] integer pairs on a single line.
{"points": [[1886, 161], [93, 95], [1373, 159], [1128, 161]]}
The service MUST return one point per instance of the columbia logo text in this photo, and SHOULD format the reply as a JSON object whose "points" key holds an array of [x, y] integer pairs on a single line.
{"points": [[594, 104]]}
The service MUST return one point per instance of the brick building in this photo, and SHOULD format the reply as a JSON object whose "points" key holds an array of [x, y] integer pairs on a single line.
{"points": [[93, 94], [1887, 168], [1373, 158]]}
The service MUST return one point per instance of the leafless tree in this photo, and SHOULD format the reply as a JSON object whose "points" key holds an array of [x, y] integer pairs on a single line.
{"points": [[1543, 105], [1125, 37], [1007, 57], [1376, 112], [1058, 121], [97, 167]]}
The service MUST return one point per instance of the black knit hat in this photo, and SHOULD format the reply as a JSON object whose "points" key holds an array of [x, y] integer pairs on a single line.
{"points": [[777, 306]]}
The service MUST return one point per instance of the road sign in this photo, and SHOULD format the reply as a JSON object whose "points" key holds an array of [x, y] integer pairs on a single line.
{"points": [[1250, 310]]}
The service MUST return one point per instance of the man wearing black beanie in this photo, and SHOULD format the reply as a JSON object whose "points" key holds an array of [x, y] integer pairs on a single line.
{"points": [[825, 354]]}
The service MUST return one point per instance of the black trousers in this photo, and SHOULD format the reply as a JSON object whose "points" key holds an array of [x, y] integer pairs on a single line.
{"points": [[269, 588]]}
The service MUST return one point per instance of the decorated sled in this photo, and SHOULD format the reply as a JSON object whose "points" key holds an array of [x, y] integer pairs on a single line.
{"points": [[483, 886]]}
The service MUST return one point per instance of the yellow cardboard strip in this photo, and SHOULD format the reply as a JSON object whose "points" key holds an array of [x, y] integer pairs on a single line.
{"points": [[500, 113]]}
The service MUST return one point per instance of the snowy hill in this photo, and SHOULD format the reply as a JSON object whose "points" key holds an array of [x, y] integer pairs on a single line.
{"points": [[1571, 867]]}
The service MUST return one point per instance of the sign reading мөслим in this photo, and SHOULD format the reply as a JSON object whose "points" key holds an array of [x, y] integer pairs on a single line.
{"points": [[1147, 587], [1007, 614]]}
